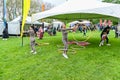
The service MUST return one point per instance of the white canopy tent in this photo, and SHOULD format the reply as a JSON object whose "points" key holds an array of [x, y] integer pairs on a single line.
{"points": [[18, 19], [81, 9], [1, 20], [84, 22], [46, 24], [1, 27], [28, 20], [57, 24]]}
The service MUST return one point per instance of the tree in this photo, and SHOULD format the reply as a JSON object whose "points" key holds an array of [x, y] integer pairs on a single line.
{"points": [[48, 6], [35, 6], [1, 10], [14, 8], [38, 7], [112, 1]]}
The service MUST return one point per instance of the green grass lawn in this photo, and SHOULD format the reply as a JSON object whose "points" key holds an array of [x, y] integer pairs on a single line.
{"points": [[89, 63]]}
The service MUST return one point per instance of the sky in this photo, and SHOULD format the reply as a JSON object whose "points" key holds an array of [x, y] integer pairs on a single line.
{"points": [[57, 2]]}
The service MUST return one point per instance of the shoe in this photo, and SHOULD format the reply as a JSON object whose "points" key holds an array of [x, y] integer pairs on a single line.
{"points": [[108, 44], [100, 45], [32, 51], [35, 52], [65, 55]]}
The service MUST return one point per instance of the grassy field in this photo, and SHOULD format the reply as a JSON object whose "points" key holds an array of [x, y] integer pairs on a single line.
{"points": [[89, 63]]}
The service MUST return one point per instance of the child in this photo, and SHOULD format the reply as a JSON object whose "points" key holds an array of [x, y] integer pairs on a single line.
{"points": [[106, 32], [65, 40], [40, 33], [32, 39], [104, 36]]}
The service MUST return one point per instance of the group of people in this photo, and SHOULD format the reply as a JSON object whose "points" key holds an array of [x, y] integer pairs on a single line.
{"points": [[34, 30], [64, 30], [51, 30], [103, 35]]}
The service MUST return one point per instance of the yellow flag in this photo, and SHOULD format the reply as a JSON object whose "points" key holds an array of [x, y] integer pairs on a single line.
{"points": [[26, 8]]}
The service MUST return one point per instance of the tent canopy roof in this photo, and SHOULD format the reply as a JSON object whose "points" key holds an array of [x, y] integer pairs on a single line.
{"points": [[81, 9], [28, 20]]}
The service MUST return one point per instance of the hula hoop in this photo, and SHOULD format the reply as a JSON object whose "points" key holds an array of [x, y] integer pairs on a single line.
{"points": [[42, 43], [70, 50], [85, 39]]}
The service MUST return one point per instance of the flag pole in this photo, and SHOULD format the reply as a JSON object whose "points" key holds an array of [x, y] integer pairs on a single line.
{"points": [[25, 9], [4, 12], [21, 21]]}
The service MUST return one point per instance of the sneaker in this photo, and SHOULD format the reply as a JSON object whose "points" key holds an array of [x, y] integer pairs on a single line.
{"points": [[35, 52], [65, 55], [32, 51], [100, 44], [108, 44]]}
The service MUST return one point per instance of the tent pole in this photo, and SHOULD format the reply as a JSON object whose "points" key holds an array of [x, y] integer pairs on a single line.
{"points": [[118, 21]]}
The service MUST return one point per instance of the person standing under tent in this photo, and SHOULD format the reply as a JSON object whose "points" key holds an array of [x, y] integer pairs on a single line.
{"points": [[84, 30], [31, 32], [36, 29], [80, 28], [65, 40], [54, 31], [116, 32], [50, 30], [40, 33]]}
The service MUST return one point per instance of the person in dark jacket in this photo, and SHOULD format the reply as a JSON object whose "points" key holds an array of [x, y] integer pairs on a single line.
{"points": [[116, 32], [5, 32], [54, 31], [106, 30]]}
